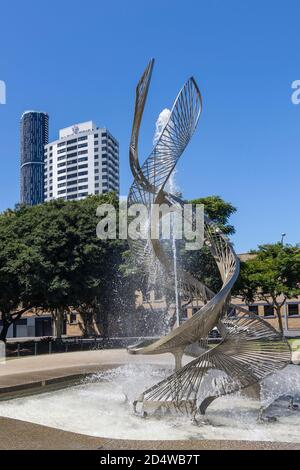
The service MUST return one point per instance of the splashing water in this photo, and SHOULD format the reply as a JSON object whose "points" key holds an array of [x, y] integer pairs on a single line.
{"points": [[173, 189], [284, 383], [100, 406], [160, 124]]}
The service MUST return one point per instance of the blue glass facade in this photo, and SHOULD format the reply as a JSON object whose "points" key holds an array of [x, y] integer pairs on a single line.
{"points": [[34, 135]]}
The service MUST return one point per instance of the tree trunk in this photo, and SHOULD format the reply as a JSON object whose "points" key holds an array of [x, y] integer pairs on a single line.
{"points": [[105, 331], [278, 311], [102, 317], [9, 319], [87, 325], [4, 331], [58, 322]]}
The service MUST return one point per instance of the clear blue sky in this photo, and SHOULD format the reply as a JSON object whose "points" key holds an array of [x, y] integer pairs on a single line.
{"points": [[81, 60]]}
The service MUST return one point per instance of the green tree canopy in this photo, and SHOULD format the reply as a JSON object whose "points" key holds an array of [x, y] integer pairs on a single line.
{"points": [[51, 258], [200, 263], [272, 275], [219, 211]]}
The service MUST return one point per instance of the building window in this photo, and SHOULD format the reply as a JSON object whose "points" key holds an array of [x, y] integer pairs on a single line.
{"points": [[268, 311], [253, 309], [293, 309], [71, 190], [82, 138]]}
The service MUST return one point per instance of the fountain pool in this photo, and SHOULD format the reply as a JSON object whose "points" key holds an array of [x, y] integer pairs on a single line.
{"points": [[101, 406]]}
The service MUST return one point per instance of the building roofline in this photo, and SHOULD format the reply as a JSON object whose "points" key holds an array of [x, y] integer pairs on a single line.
{"points": [[32, 111]]}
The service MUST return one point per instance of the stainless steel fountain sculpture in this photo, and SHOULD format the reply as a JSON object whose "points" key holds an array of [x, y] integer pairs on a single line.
{"points": [[250, 348]]}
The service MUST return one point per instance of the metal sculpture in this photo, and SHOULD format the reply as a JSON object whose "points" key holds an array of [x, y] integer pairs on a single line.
{"points": [[250, 348]]}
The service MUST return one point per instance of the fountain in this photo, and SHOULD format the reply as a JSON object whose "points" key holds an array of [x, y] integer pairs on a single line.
{"points": [[98, 407], [250, 348], [250, 353]]}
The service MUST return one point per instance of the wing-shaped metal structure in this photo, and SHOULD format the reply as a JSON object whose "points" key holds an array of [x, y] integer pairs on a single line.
{"points": [[250, 348]]}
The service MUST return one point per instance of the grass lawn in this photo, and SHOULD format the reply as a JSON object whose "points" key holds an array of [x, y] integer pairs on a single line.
{"points": [[295, 344]]}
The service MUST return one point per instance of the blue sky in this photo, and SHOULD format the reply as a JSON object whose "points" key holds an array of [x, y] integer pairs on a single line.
{"points": [[81, 60]]}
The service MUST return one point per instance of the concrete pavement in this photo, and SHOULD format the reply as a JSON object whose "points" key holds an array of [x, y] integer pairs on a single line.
{"points": [[28, 374], [21, 435]]}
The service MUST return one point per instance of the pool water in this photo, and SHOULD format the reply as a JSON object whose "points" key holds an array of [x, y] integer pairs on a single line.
{"points": [[102, 406]]}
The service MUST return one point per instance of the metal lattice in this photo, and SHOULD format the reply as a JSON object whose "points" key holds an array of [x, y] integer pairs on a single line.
{"points": [[250, 347]]}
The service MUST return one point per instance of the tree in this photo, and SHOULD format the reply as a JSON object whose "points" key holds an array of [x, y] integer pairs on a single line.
{"points": [[18, 276], [219, 212], [51, 258], [271, 275], [201, 263]]}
